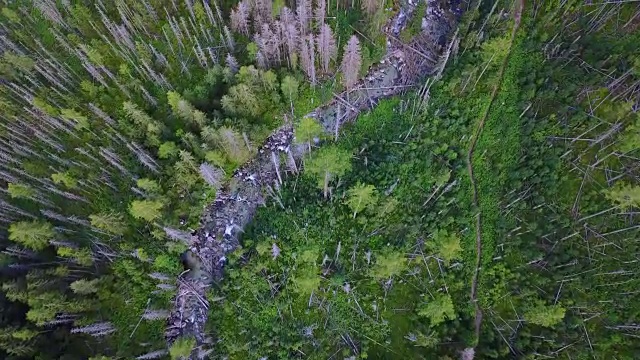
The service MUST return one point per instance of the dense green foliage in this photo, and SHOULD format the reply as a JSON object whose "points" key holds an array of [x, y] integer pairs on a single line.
{"points": [[119, 120], [383, 267]]}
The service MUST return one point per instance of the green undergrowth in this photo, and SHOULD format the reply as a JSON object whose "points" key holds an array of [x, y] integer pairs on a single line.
{"points": [[316, 279], [383, 309], [495, 156], [414, 25]]}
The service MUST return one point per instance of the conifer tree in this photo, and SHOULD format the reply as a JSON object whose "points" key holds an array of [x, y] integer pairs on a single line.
{"points": [[182, 348], [328, 164], [371, 6], [151, 128], [240, 18], [320, 13], [85, 287], [361, 197], [110, 222], [34, 235], [388, 264], [307, 57], [438, 310], [327, 48], [351, 63], [148, 210], [545, 315], [304, 12], [289, 88], [184, 110], [18, 191], [624, 195], [149, 185], [231, 142], [447, 245], [64, 178], [242, 100], [307, 130], [80, 256]]}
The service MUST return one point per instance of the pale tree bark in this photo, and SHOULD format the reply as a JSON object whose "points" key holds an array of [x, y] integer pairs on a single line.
{"points": [[303, 10], [240, 18], [307, 57], [371, 6], [351, 62], [320, 13], [327, 48], [291, 38]]}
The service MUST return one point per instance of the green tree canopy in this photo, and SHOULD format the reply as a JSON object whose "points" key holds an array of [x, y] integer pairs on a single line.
{"points": [[186, 173], [148, 185], [545, 315], [24, 334], [45, 107], [328, 164], [65, 178], [34, 235], [85, 287], [241, 100], [629, 139], [360, 197], [306, 130], [10, 14], [438, 310], [184, 110], [144, 123], [388, 264], [182, 348], [110, 222], [447, 245], [80, 121], [146, 209], [306, 280], [289, 88], [229, 141], [81, 256], [43, 307], [167, 150], [269, 80], [252, 50], [17, 191], [624, 195]]}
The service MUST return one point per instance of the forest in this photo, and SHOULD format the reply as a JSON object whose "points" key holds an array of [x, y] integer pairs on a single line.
{"points": [[319, 179]]}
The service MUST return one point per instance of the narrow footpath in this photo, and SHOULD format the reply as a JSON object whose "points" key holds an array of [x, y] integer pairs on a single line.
{"points": [[519, 6]]}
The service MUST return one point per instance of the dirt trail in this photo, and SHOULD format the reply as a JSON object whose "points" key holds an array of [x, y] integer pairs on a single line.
{"points": [[251, 185], [519, 6]]}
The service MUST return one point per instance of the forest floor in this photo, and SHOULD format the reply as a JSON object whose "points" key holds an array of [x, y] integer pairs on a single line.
{"points": [[517, 16]]}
